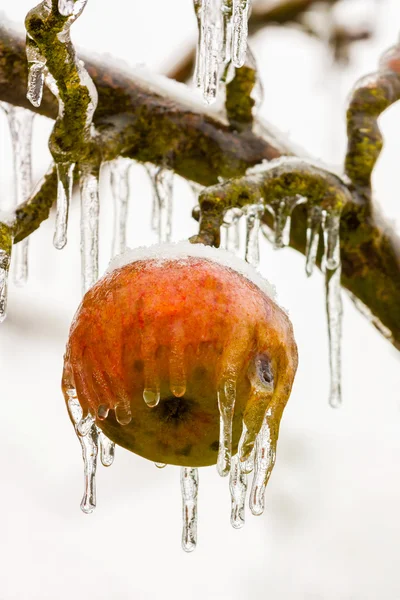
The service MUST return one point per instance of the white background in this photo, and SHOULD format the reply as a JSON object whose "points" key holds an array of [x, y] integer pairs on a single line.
{"points": [[331, 528]]}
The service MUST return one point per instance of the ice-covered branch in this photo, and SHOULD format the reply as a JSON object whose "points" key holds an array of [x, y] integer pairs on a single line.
{"points": [[371, 96], [273, 186], [154, 120]]}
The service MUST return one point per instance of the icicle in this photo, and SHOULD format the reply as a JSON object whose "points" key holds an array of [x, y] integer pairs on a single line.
{"points": [[283, 213], [334, 314], [331, 228], [189, 490], [199, 66], [227, 12], [231, 227], [65, 176], [85, 424], [36, 72], [209, 55], [239, 43], [119, 179], [89, 228], [5, 259], [226, 406], [107, 449], [315, 220], [160, 465], [264, 461], [161, 219], [238, 489], [20, 121], [89, 444], [66, 7], [247, 466], [254, 213]]}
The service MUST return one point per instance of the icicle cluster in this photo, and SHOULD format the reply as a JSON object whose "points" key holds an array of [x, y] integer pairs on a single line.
{"points": [[90, 438], [80, 149], [329, 222], [222, 39]]}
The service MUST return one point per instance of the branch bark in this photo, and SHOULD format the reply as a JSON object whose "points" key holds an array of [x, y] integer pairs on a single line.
{"points": [[146, 122]]}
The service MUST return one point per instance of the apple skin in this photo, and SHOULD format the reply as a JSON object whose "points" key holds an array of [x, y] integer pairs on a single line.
{"points": [[182, 327]]}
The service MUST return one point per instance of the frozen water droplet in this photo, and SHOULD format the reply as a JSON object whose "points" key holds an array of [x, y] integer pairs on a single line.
{"points": [[123, 413], [107, 449], [226, 406], [254, 213], [151, 397], [119, 179], [238, 489], [334, 315], [89, 445], [65, 175], [89, 184], [85, 425], [283, 212], [315, 220], [240, 30], [5, 259], [264, 462], [20, 121], [189, 490], [160, 465], [102, 412]]}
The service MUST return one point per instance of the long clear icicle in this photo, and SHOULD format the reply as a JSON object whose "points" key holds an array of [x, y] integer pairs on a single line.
{"points": [[5, 259], [209, 47], [265, 452], [332, 267], [226, 406], [119, 180], [315, 220], [240, 30], [20, 121], [283, 212], [89, 445], [231, 227], [238, 490], [253, 221], [189, 491], [107, 449], [65, 179], [89, 184], [162, 180]]}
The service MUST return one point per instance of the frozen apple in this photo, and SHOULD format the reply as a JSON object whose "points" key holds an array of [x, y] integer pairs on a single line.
{"points": [[181, 355]]}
